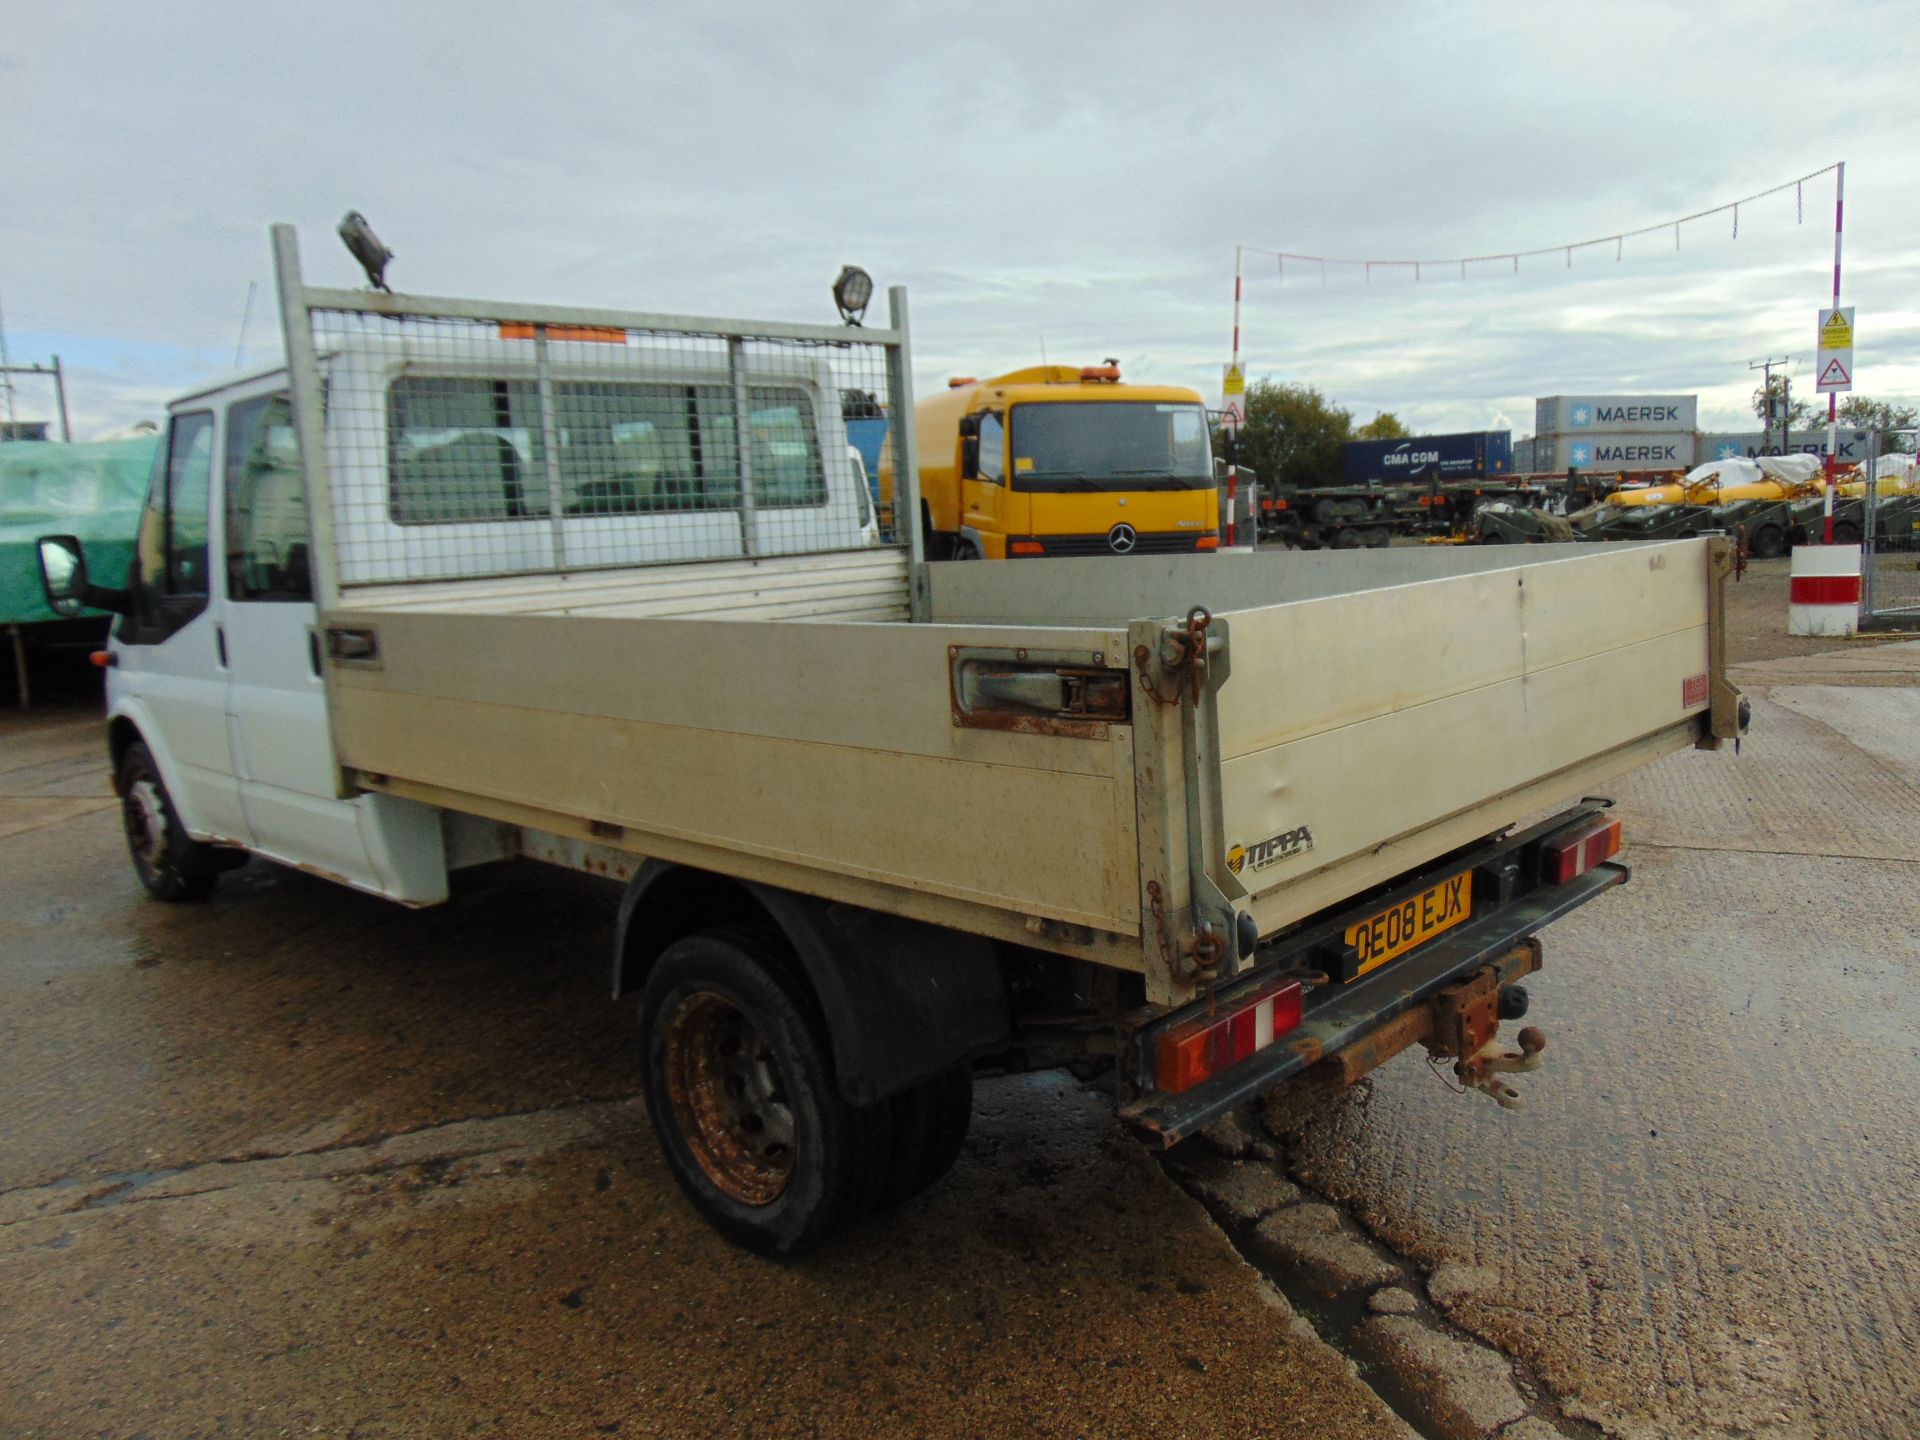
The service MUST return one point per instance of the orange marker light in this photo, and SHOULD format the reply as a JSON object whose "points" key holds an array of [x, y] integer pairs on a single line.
{"points": [[598, 334]]}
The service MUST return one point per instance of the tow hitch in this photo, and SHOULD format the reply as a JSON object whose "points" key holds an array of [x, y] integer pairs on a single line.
{"points": [[1466, 1029]]}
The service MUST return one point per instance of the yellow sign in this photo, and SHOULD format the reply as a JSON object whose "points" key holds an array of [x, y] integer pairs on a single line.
{"points": [[1234, 381], [1836, 329]]}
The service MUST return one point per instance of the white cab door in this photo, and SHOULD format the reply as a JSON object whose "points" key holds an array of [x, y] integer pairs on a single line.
{"points": [[170, 653], [276, 702]]}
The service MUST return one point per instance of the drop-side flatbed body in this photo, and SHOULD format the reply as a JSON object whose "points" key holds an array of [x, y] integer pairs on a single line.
{"points": [[1206, 820]]}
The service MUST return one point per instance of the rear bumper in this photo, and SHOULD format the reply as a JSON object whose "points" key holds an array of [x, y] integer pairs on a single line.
{"points": [[1351, 1012]]}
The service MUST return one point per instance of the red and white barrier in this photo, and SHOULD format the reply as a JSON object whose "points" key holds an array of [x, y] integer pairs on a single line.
{"points": [[1823, 590]]}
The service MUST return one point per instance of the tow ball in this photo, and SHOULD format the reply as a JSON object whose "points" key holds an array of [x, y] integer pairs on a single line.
{"points": [[1466, 1029]]}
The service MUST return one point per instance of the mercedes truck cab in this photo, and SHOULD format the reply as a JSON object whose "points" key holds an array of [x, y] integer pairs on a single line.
{"points": [[1055, 460]]}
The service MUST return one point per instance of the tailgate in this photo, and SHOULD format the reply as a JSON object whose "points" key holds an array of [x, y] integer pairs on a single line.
{"points": [[1362, 734]]}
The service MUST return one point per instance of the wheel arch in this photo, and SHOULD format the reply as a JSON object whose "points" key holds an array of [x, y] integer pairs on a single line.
{"points": [[131, 725], [903, 1000]]}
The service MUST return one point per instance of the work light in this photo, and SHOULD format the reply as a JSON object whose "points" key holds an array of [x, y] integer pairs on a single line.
{"points": [[851, 292]]}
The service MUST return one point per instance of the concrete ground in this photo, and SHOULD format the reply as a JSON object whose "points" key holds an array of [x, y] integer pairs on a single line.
{"points": [[297, 1161], [1705, 1222]]}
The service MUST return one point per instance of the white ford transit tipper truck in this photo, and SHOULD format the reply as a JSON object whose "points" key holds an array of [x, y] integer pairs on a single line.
{"points": [[470, 580]]}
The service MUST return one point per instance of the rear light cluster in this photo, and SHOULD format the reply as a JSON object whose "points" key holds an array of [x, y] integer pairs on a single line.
{"points": [[1568, 856], [1025, 547], [1203, 1047]]}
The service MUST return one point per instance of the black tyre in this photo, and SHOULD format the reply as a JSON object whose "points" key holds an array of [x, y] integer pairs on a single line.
{"points": [[1845, 532], [171, 864], [930, 1123], [1349, 539], [964, 549], [1769, 543], [741, 1091]]}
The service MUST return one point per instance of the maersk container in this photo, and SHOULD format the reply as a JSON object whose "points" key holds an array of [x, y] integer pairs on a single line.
{"points": [[1615, 414], [1851, 449], [1475, 455], [1614, 453]]}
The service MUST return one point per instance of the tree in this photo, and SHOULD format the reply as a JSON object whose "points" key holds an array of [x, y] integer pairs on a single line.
{"points": [[1293, 434], [1766, 404], [1383, 426], [1858, 412]]}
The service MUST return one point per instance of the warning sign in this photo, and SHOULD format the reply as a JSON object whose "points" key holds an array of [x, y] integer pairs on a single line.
{"points": [[1233, 397], [1833, 364]]}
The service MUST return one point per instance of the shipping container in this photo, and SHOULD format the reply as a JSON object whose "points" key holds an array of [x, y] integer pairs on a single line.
{"points": [[1852, 447], [1615, 414], [1610, 452], [1475, 455]]}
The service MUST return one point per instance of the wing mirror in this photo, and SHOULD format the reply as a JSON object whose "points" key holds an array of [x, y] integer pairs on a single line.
{"points": [[63, 574], [63, 579], [969, 447]]}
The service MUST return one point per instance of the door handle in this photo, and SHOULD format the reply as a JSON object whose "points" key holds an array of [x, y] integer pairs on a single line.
{"points": [[220, 644], [313, 652]]}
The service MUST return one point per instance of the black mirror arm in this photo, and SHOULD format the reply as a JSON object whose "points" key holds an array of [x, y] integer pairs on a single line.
{"points": [[105, 597]]}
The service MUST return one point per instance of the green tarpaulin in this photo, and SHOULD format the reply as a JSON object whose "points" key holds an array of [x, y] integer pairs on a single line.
{"points": [[94, 491]]}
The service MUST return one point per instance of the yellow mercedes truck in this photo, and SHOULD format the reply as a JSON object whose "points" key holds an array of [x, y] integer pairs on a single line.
{"points": [[1059, 460]]}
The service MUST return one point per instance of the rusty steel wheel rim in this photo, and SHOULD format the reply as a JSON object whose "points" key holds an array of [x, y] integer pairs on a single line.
{"points": [[730, 1098]]}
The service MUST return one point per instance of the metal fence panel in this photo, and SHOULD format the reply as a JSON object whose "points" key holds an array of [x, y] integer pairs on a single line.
{"points": [[1889, 528], [478, 438]]}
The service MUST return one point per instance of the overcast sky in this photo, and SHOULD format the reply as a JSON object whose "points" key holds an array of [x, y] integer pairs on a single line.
{"points": [[1073, 176]]}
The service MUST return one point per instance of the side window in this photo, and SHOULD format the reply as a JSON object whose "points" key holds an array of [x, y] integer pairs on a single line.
{"points": [[170, 549], [189, 471], [787, 469], [267, 557], [464, 450], [993, 448]]}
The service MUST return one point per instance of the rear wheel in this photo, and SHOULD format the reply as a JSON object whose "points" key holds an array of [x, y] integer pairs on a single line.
{"points": [[1845, 532], [1769, 543], [170, 863], [741, 1091]]}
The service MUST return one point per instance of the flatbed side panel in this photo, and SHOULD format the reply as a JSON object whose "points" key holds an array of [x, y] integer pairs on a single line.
{"points": [[1304, 668], [1107, 590], [817, 745]]}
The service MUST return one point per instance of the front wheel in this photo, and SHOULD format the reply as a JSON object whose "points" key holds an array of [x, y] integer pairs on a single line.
{"points": [[170, 863], [1769, 543], [965, 549], [1845, 532], [741, 1091]]}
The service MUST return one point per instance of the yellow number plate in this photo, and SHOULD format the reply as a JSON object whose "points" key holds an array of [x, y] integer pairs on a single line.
{"points": [[1393, 932]]}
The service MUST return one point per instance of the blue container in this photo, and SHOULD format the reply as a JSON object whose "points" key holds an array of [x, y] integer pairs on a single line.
{"points": [[1478, 455], [867, 436]]}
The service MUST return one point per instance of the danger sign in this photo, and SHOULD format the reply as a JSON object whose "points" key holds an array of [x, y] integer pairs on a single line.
{"points": [[1833, 364], [1233, 397]]}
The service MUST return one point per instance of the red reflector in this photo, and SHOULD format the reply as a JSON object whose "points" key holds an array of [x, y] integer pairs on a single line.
{"points": [[1207, 542], [1026, 547], [1567, 857], [1202, 1047]]}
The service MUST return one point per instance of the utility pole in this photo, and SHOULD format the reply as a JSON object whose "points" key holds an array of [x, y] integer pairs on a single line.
{"points": [[1766, 420]]}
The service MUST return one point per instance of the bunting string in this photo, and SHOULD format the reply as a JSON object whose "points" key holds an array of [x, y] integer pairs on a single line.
{"points": [[1514, 257]]}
